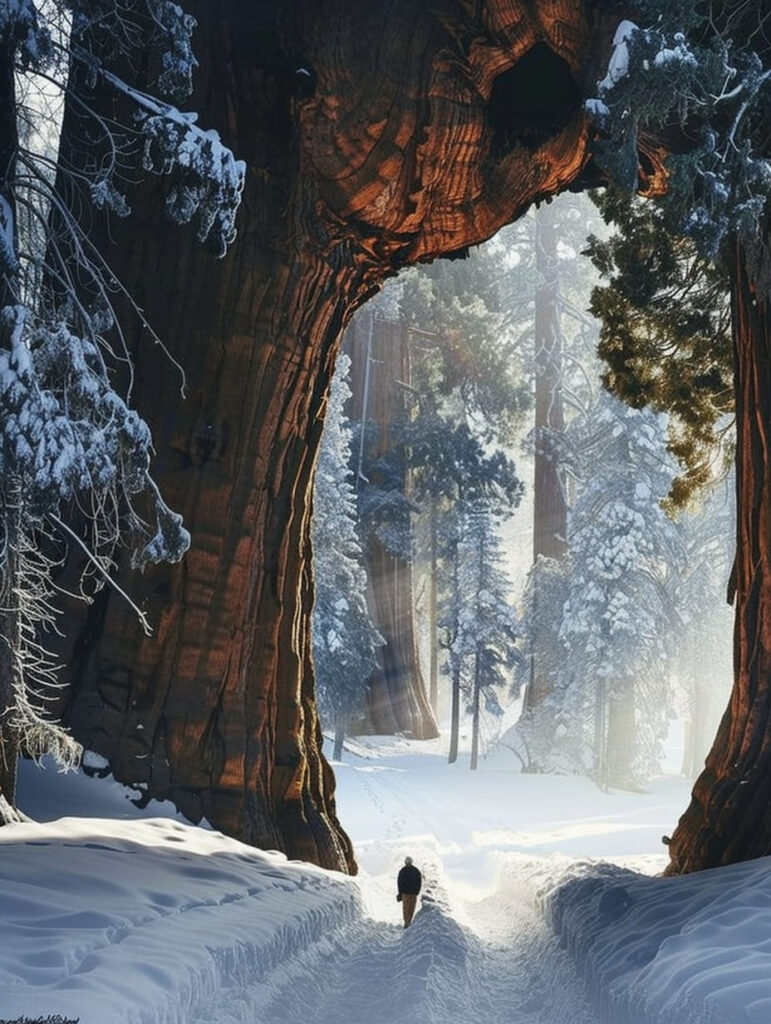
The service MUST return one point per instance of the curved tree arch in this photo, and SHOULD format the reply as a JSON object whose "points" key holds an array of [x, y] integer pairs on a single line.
{"points": [[375, 136]]}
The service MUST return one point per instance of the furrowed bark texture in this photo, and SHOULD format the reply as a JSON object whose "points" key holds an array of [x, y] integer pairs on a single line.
{"points": [[397, 699], [729, 817], [410, 133]]}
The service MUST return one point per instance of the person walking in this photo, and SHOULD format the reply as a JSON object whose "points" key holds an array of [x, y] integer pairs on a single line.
{"points": [[408, 883]]}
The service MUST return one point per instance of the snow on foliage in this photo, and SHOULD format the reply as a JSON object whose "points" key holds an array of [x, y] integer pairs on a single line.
{"points": [[74, 458], [206, 180], [684, 70], [618, 63], [20, 23], [605, 612], [478, 625], [345, 641], [9, 263]]}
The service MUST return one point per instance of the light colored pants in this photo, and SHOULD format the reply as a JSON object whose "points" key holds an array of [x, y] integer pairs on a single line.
{"points": [[409, 899]]}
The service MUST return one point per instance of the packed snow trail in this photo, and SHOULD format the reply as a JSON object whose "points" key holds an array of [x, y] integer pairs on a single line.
{"points": [[485, 962]]}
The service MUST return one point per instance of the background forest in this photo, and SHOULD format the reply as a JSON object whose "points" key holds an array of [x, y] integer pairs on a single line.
{"points": [[552, 561]]}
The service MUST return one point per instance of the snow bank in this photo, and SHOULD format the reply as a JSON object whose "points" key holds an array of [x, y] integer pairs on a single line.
{"points": [[695, 949], [108, 921]]}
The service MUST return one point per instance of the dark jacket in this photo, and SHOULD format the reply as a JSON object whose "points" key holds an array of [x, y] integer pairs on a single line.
{"points": [[409, 879]]}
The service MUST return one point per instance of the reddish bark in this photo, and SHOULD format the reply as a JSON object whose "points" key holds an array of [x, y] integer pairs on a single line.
{"points": [[729, 819], [399, 152], [397, 700]]}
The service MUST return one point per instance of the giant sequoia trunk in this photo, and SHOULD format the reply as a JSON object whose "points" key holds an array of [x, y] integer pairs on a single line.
{"points": [[375, 135], [729, 817], [550, 508], [380, 370]]}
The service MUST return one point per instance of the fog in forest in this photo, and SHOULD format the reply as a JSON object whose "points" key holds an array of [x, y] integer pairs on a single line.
{"points": [[497, 546]]}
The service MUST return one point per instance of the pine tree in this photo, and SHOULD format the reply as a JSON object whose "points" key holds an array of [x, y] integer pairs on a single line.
{"points": [[622, 592], [478, 624], [608, 612], [345, 642], [488, 626], [471, 398]]}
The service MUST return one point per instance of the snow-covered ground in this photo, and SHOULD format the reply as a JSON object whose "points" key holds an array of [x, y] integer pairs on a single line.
{"points": [[539, 907]]}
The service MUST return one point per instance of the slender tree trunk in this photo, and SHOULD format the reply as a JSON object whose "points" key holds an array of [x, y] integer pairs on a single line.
{"points": [[475, 715], [452, 755], [729, 817], [433, 647], [9, 741], [455, 666], [341, 724], [9, 744]]}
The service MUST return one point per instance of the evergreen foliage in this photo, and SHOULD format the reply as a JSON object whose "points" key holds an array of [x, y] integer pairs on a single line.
{"points": [[345, 642], [665, 332], [470, 356], [613, 604], [461, 401], [697, 75], [690, 89], [622, 595], [480, 627]]}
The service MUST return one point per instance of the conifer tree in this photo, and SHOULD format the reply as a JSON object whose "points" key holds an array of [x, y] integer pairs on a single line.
{"points": [[345, 642], [621, 600], [479, 627], [488, 629], [610, 608], [689, 88]]}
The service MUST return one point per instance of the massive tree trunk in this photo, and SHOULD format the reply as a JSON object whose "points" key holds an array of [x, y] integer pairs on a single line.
{"points": [[375, 135], [729, 817], [380, 369], [550, 508]]}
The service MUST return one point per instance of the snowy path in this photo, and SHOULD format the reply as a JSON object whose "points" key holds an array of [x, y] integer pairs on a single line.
{"points": [[156, 922], [481, 962]]}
